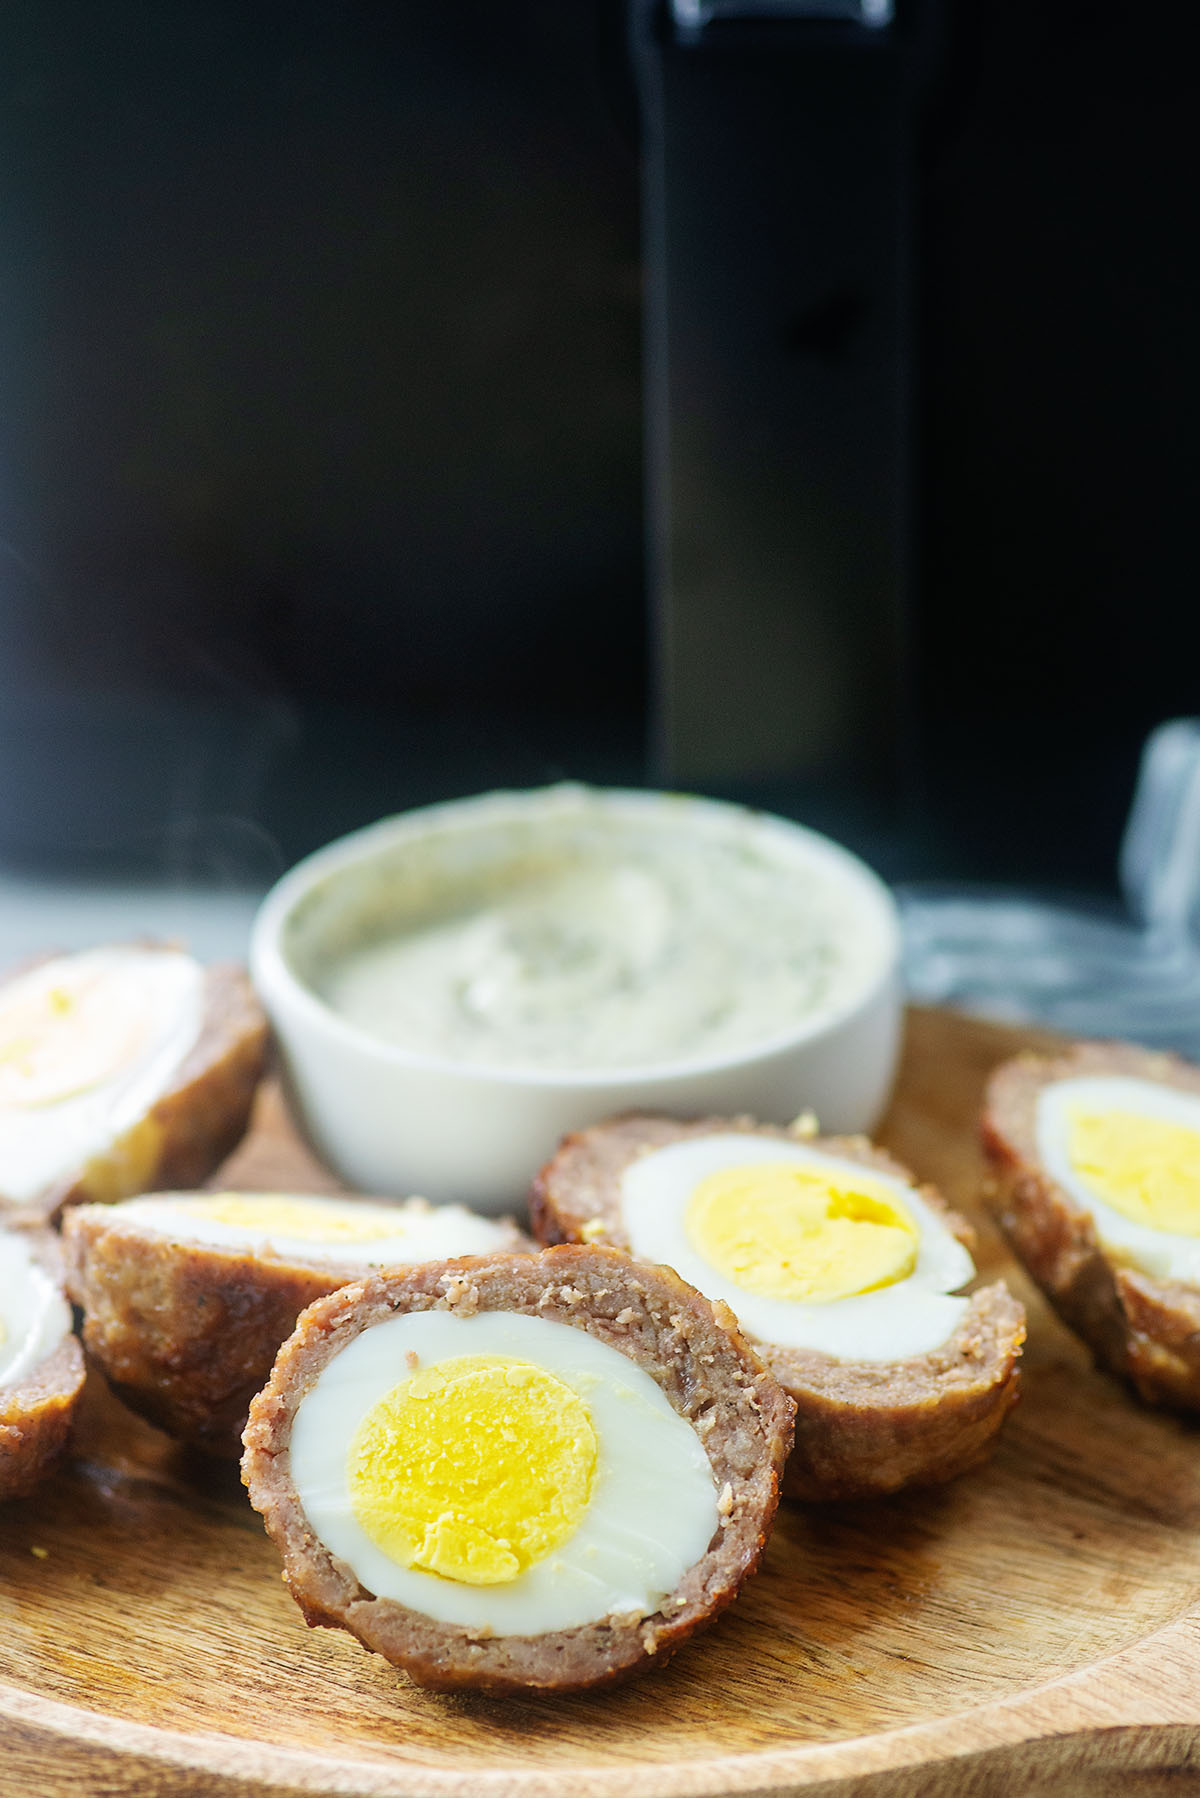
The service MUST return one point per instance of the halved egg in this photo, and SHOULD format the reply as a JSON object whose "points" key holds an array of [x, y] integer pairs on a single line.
{"points": [[807, 1248], [1096, 1153], [363, 1233], [517, 1472], [1128, 1151], [841, 1270], [523, 1477], [121, 1067]]}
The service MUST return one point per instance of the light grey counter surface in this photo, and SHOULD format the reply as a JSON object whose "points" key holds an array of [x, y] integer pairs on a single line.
{"points": [[39, 915]]}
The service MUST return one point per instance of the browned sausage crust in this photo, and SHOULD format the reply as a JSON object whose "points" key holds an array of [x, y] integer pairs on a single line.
{"points": [[862, 1428], [193, 1125], [1143, 1329], [185, 1333], [867, 1428], [708, 1374], [36, 1413], [36, 1418]]}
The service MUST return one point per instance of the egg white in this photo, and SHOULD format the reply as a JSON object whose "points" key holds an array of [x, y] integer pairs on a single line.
{"points": [[909, 1317], [42, 1141], [653, 1510], [34, 1315], [1163, 1254], [418, 1231]]}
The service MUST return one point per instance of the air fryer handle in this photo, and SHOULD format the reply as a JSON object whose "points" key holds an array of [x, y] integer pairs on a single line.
{"points": [[778, 174]]}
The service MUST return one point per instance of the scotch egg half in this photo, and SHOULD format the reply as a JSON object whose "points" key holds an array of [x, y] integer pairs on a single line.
{"points": [[519, 1476], [844, 1274], [1128, 1152], [120, 1065], [34, 1316], [41, 1364], [1095, 1152], [517, 1472], [187, 1296]]}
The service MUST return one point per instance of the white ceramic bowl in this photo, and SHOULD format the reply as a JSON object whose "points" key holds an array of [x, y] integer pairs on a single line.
{"points": [[398, 1120]]}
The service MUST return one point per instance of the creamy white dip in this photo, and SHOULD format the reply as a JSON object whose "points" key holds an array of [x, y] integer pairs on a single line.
{"points": [[603, 945]]}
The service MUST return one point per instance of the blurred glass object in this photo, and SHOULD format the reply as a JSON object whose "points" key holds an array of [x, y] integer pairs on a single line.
{"points": [[698, 13], [1086, 972]]}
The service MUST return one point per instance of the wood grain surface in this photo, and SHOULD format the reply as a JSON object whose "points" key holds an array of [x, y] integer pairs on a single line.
{"points": [[1035, 1628]]}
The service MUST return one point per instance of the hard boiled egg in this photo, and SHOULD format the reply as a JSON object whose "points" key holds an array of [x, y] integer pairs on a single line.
{"points": [[358, 1232], [504, 1472], [809, 1249], [34, 1316], [88, 1044], [1128, 1151]]}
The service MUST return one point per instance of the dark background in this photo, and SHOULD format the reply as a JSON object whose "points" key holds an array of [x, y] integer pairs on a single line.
{"points": [[321, 422]]}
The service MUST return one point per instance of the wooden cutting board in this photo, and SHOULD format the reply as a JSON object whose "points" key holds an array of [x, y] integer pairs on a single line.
{"points": [[1035, 1628]]}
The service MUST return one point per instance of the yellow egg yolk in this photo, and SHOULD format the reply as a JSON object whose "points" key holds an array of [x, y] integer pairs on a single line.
{"points": [[798, 1233], [56, 1041], [276, 1215], [473, 1469], [1147, 1168]]}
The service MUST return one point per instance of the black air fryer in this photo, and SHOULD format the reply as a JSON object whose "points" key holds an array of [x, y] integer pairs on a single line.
{"points": [[351, 358]]}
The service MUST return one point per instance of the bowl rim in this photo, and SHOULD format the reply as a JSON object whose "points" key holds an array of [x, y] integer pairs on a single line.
{"points": [[275, 978]]}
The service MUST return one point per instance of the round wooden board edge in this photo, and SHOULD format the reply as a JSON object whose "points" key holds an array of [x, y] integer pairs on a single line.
{"points": [[1136, 1712], [1130, 1721]]}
